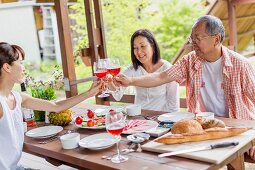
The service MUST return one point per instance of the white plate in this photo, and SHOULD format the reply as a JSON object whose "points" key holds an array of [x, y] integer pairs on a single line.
{"points": [[135, 139], [44, 137], [105, 110], [176, 116], [98, 141], [44, 132], [101, 111]]}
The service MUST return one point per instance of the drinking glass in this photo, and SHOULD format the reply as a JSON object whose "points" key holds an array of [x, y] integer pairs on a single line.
{"points": [[114, 66], [115, 124], [100, 70]]}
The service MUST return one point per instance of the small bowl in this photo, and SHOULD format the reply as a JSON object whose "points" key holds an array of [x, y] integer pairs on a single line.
{"points": [[135, 139], [70, 140], [134, 110], [206, 115]]}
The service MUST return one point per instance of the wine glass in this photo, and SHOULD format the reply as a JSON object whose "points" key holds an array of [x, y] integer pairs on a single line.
{"points": [[115, 124], [114, 67], [100, 70]]}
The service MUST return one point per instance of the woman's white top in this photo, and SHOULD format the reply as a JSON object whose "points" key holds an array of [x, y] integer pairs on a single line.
{"points": [[11, 134], [160, 98]]}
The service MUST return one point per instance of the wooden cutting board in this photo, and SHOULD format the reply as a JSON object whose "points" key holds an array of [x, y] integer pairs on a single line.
{"points": [[215, 156]]}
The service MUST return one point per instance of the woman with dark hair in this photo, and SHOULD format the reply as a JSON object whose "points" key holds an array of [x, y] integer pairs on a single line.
{"points": [[145, 56], [11, 121]]}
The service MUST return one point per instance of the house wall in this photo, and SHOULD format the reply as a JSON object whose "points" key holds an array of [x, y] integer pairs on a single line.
{"points": [[17, 26]]}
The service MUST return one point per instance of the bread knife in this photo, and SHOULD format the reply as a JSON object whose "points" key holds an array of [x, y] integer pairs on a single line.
{"points": [[214, 146]]}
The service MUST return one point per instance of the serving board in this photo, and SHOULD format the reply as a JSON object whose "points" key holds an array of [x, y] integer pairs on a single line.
{"points": [[212, 156]]}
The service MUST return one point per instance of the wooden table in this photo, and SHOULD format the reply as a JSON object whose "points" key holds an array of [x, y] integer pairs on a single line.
{"points": [[87, 159]]}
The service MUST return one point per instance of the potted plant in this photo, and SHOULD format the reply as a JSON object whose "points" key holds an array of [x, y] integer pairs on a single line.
{"points": [[44, 89]]}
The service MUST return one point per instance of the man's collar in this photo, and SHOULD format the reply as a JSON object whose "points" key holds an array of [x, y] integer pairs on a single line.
{"points": [[227, 62], [226, 57], [197, 62]]}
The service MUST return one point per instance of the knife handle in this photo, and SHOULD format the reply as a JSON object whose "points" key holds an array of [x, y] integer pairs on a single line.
{"points": [[224, 144]]}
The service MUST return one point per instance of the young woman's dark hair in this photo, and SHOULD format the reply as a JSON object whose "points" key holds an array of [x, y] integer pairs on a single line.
{"points": [[151, 39], [9, 53]]}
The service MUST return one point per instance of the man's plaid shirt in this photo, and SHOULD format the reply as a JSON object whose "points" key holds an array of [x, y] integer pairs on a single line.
{"points": [[238, 82]]}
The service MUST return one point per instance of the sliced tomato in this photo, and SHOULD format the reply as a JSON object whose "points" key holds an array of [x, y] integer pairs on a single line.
{"points": [[90, 123]]}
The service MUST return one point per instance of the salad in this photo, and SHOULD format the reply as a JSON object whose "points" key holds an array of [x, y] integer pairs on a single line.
{"points": [[91, 120]]}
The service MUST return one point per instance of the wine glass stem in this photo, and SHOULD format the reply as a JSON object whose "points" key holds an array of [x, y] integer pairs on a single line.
{"points": [[118, 151]]}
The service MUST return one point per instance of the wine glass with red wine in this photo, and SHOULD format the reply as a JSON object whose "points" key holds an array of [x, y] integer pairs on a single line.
{"points": [[100, 70], [114, 66], [115, 124]]}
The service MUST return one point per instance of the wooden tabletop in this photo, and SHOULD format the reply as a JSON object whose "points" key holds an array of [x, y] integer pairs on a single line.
{"points": [[82, 158]]}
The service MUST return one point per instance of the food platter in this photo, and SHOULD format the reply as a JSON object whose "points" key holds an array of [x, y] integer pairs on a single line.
{"points": [[139, 126]]}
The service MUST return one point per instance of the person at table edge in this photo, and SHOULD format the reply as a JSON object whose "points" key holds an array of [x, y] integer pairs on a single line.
{"points": [[11, 120], [218, 79]]}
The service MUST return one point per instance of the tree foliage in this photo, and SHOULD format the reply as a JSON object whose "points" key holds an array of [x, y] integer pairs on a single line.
{"points": [[176, 20], [171, 24]]}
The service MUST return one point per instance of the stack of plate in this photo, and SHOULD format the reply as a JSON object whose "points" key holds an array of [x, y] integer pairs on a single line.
{"points": [[44, 132], [98, 141]]}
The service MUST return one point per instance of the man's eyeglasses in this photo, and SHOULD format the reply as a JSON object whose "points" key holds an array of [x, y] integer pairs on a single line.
{"points": [[198, 39]]}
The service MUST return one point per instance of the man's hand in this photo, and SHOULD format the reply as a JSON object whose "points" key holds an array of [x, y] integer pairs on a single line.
{"points": [[251, 152], [122, 80], [95, 88]]}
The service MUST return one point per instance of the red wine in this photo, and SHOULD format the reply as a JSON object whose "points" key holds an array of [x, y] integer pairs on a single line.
{"points": [[100, 73], [115, 129], [114, 71]]}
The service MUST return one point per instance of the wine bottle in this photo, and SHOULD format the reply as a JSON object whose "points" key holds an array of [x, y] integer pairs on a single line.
{"points": [[28, 114]]}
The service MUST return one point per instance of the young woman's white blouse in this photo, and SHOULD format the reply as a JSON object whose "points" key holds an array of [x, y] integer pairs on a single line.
{"points": [[11, 134], [160, 98]]}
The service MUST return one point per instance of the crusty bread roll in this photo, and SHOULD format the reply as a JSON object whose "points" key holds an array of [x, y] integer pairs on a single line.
{"points": [[212, 133], [200, 119], [187, 126], [213, 123]]}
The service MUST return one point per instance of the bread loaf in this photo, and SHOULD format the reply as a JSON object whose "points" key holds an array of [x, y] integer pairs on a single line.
{"points": [[213, 133], [213, 123], [187, 126]]}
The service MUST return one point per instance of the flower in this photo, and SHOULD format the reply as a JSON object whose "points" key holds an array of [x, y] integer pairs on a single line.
{"points": [[45, 89]]}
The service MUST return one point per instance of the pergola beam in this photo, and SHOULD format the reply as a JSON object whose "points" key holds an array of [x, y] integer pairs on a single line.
{"points": [[243, 34], [66, 47], [97, 48], [241, 18], [232, 25], [241, 2]]}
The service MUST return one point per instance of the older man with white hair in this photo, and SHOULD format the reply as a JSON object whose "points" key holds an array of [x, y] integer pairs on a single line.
{"points": [[217, 79]]}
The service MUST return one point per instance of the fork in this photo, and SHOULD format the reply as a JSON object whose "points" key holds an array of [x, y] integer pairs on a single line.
{"points": [[49, 140], [151, 117]]}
